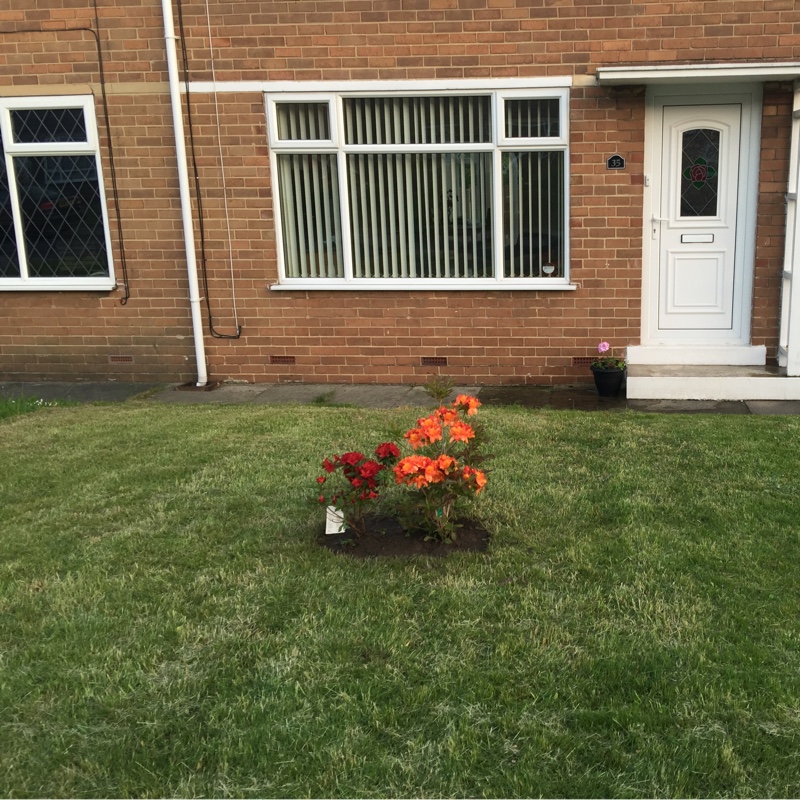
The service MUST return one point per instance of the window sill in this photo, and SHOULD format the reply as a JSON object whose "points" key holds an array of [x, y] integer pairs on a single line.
{"points": [[57, 285], [431, 284]]}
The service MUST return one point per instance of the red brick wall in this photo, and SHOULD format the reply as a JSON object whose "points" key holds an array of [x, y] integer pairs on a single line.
{"points": [[487, 337]]}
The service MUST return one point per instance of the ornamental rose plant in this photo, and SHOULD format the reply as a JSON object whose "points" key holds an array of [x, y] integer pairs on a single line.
{"points": [[442, 474], [352, 482]]}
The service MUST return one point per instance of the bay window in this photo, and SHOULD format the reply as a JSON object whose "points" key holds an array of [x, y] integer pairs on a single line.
{"points": [[428, 190], [53, 224]]}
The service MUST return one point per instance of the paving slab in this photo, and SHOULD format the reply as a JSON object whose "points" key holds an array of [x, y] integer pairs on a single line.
{"points": [[526, 396], [773, 406], [578, 398], [690, 406]]}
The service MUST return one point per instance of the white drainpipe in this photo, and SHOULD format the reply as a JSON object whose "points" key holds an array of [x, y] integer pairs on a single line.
{"points": [[183, 184]]}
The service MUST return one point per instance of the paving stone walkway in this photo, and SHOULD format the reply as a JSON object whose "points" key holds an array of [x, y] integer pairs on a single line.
{"points": [[582, 397]]}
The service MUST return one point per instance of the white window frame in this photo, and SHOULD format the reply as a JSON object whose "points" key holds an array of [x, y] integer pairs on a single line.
{"points": [[337, 145], [13, 149]]}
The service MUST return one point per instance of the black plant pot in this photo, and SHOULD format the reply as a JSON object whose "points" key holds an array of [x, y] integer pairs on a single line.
{"points": [[608, 381]]}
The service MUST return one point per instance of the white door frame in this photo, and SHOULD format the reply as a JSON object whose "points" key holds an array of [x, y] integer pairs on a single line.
{"points": [[726, 347]]}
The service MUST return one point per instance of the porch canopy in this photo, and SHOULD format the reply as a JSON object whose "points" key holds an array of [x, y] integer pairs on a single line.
{"points": [[743, 72]]}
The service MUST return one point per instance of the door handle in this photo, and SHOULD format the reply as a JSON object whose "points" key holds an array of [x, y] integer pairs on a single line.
{"points": [[653, 220]]}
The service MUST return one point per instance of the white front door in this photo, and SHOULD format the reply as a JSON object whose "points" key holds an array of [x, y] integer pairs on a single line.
{"points": [[696, 219], [700, 221]]}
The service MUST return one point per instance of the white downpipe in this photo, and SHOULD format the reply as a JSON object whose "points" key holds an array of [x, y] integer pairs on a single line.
{"points": [[183, 184]]}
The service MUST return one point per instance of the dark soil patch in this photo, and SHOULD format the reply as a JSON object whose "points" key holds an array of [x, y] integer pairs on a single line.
{"points": [[384, 537]]}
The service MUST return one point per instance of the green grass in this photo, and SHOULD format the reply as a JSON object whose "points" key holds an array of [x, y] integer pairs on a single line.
{"points": [[11, 406], [169, 627]]}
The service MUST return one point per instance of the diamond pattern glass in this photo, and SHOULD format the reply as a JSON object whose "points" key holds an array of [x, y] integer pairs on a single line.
{"points": [[48, 125], [9, 263], [62, 216], [700, 173]]}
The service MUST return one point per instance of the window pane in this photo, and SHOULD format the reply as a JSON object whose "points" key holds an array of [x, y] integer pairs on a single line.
{"points": [[62, 216], [417, 120], [310, 218], [48, 125], [421, 215], [531, 118], [533, 214], [700, 173], [9, 263], [303, 121]]}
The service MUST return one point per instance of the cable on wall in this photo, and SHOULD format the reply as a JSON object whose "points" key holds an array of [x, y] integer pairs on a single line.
{"points": [[112, 164], [198, 194], [222, 167]]}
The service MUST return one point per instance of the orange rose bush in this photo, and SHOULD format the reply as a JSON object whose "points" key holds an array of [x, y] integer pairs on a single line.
{"points": [[443, 473]]}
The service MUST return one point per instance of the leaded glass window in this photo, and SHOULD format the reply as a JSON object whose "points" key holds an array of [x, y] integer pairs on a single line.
{"points": [[53, 225], [700, 172]]}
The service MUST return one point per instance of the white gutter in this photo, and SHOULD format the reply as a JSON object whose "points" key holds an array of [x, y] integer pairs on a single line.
{"points": [[183, 185]]}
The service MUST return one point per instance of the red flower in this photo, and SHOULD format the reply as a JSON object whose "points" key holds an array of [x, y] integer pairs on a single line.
{"points": [[387, 450], [369, 469], [327, 466], [321, 479], [351, 458]]}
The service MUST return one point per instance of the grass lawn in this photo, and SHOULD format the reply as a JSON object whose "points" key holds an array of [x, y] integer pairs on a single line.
{"points": [[169, 627]]}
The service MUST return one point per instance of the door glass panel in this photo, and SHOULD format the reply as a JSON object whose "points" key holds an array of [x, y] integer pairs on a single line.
{"points": [[699, 172]]}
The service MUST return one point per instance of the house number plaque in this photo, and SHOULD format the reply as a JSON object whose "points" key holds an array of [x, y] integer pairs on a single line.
{"points": [[615, 162]]}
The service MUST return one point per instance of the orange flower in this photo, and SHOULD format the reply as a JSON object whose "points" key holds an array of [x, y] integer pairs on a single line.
{"points": [[432, 428], [448, 415], [445, 462], [461, 432], [416, 438], [410, 465], [475, 476], [471, 404], [433, 474]]}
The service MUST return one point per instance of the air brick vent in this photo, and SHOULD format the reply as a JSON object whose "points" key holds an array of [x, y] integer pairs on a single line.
{"points": [[582, 361], [434, 361], [120, 359], [282, 360]]}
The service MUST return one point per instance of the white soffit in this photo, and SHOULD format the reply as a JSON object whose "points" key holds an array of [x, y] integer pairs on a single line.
{"points": [[699, 73]]}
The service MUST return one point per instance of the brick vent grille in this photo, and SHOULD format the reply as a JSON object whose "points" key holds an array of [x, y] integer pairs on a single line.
{"points": [[282, 360], [582, 361], [434, 361], [120, 359]]}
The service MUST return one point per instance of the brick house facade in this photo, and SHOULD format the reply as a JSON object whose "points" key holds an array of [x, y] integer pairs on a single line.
{"points": [[290, 286]]}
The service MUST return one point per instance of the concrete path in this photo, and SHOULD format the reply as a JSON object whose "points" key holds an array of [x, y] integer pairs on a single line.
{"points": [[580, 398]]}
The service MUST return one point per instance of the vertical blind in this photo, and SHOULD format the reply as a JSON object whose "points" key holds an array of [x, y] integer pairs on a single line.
{"points": [[416, 212]]}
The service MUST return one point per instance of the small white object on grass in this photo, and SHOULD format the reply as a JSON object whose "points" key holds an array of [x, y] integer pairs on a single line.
{"points": [[334, 521]]}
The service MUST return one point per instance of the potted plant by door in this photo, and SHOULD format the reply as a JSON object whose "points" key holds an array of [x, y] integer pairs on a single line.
{"points": [[608, 371]]}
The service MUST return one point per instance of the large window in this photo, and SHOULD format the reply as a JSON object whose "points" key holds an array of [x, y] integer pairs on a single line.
{"points": [[53, 225], [462, 190]]}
